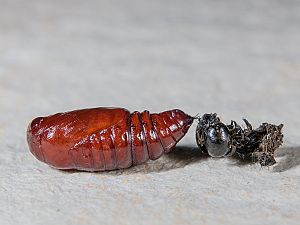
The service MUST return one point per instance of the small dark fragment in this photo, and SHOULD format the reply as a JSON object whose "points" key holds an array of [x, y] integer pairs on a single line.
{"points": [[260, 143]]}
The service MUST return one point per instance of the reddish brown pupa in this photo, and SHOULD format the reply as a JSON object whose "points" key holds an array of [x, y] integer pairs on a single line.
{"points": [[102, 139]]}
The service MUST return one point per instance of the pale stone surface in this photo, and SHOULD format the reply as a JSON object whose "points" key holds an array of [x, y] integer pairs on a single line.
{"points": [[237, 58]]}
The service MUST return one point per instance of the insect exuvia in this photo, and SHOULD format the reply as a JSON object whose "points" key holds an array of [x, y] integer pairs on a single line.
{"points": [[102, 139], [218, 139]]}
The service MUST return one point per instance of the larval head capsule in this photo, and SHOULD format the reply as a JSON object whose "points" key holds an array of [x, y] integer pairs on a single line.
{"points": [[213, 136]]}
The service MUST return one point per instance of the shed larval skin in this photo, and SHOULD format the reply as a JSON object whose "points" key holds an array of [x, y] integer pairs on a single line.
{"points": [[102, 139]]}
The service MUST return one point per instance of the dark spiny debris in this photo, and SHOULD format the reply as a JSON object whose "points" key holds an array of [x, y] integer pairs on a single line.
{"points": [[218, 139], [262, 143]]}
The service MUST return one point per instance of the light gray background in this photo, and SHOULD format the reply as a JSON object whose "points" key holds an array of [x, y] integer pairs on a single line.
{"points": [[237, 58]]}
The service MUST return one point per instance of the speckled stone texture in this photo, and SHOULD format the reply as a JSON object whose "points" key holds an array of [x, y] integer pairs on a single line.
{"points": [[237, 58]]}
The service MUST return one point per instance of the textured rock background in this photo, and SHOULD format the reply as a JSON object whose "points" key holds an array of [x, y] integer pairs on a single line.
{"points": [[237, 58]]}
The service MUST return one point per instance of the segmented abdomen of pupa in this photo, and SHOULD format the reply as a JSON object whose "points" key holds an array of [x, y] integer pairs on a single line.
{"points": [[105, 138]]}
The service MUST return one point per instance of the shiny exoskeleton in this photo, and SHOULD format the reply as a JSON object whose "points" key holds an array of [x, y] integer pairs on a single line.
{"points": [[213, 136], [105, 138], [218, 140]]}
